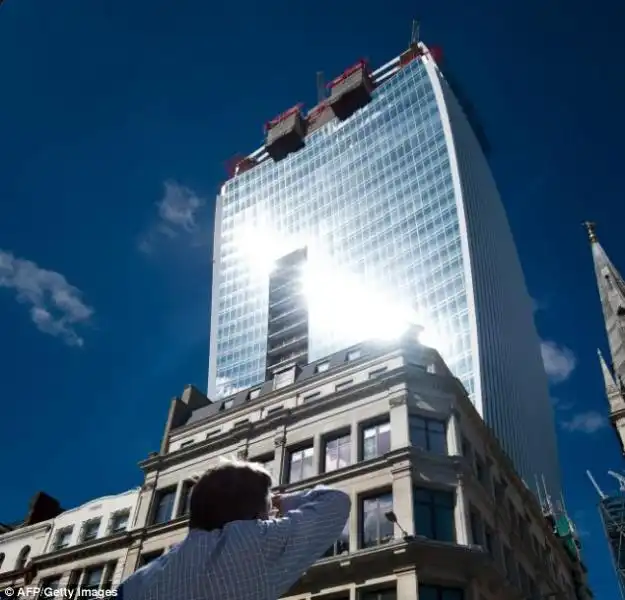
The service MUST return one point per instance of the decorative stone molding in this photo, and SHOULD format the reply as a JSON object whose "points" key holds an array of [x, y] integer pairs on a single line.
{"points": [[398, 401]]}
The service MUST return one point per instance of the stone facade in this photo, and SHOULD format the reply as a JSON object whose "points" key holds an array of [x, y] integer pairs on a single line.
{"points": [[438, 511]]}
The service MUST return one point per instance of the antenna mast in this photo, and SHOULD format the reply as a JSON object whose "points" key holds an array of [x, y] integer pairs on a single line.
{"points": [[414, 38]]}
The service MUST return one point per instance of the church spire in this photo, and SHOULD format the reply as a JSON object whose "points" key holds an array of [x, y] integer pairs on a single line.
{"points": [[612, 293]]}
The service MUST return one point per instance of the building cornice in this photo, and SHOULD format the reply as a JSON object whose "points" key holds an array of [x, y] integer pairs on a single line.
{"points": [[92, 548], [27, 531], [270, 423], [420, 553], [285, 393]]}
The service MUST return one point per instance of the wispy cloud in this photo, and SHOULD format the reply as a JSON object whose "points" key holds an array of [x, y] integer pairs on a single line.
{"points": [[55, 306], [561, 405], [178, 214], [585, 422], [559, 361]]}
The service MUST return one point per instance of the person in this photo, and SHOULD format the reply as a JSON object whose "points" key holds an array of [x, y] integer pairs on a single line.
{"points": [[236, 549]]}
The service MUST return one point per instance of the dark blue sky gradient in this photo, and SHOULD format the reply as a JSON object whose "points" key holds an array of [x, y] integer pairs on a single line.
{"points": [[103, 101]]}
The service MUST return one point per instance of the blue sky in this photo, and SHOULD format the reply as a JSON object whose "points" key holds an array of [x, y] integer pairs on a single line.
{"points": [[116, 119]]}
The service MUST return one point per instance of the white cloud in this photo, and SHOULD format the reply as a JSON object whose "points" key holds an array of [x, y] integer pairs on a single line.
{"points": [[56, 307], [178, 213], [586, 422], [561, 405], [559, 361]]}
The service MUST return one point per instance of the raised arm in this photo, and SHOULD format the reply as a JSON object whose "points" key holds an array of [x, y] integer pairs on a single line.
{"points": [[312, 521]]}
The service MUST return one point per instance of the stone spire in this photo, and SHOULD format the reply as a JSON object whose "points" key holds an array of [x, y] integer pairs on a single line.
{"points": [[612, 294]]}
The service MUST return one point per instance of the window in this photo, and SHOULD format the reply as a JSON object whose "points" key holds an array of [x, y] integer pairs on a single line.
{"points": [[90, 530], [428, 434], [434, 514], [337, 452], [323, 367], [186, 444], [283, 379], [2, 557], [431, 369], [274, 409], [386, 594], [376, 440], [164, 506], [227, 404], [109, 571], [92, 578], [481, 472], [436, 592], [341, 546], [310, 396], [377, 372], [241, 422], [185, 499], [119, 521], [63, 538], [376, 528], [354, 355], [214, 433], [344, 384], [301, 464], [477, 530], [51, 582], [22, 558], [149, 557]]}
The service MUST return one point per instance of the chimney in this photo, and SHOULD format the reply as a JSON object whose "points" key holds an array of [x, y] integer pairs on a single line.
{"points": [[41, 508]]}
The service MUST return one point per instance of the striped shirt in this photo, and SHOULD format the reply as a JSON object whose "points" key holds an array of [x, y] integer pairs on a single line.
{"points": [[246, 560]]}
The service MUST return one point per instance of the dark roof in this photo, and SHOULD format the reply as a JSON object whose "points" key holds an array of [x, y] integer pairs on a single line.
{"points": [[303, 373]]}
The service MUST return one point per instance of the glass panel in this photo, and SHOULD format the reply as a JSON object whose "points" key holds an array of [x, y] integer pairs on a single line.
{"points": [[120, 522], [384, 439], [165, 507], [376, 529], [337, 453], [93, 577], [445, 525], [302, 464]]}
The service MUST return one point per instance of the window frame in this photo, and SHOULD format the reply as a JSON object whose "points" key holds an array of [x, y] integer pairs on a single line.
{"points": [[432, 506], [119, 513], [160, 494], [336, 436], [300, 449], [428, 433], [59, 533], [86, 526], [380, 494], [384, 421], [93, 569]]}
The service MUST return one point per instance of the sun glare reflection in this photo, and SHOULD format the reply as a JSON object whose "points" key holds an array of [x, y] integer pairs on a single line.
{"points": [[340, 305]]}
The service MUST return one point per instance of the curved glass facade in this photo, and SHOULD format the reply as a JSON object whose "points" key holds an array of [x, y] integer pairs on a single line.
{"points": [[372, 199], [401, 220]]}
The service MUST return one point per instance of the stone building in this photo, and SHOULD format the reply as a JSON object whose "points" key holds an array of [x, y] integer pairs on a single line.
{"points": [[438, 511], [84, 546]]}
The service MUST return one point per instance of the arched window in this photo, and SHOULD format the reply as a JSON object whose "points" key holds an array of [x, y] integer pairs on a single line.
{"points": [[1, 559], [22, 559]]}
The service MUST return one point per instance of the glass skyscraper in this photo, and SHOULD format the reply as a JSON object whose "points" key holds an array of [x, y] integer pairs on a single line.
{"points": [[401, 220]]}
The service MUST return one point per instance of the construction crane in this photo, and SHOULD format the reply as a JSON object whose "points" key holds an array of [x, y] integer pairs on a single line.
{"points": [[612, 513]]}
